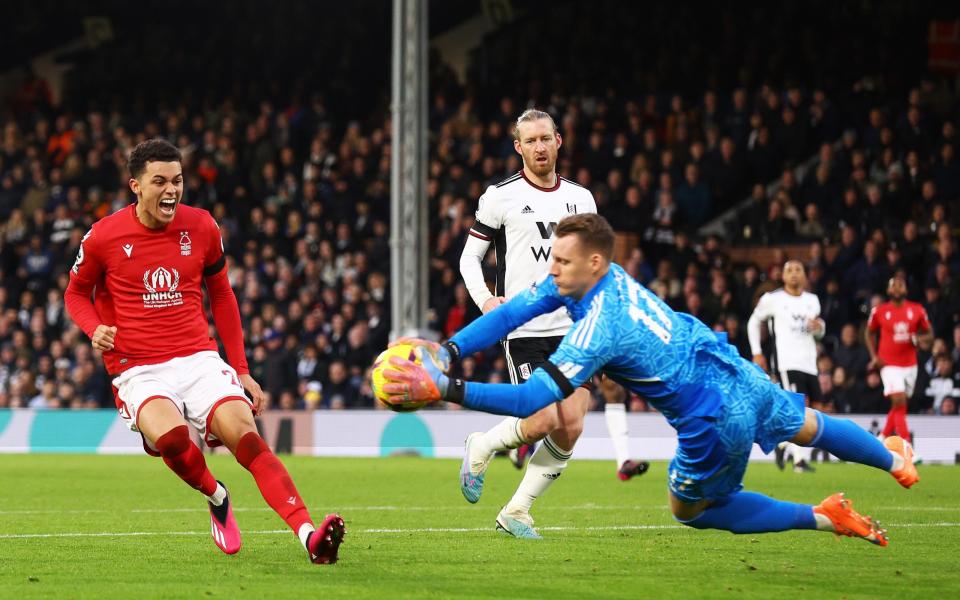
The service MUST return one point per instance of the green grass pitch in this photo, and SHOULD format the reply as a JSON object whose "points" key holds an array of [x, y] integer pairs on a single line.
{"points": [[411, 535]]}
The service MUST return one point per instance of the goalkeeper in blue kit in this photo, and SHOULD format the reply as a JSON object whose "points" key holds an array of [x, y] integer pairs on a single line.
{"points": [[719, 404]]}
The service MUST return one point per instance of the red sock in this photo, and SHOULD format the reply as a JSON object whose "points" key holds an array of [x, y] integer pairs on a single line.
{"points": [[185, 459], [272, 478], [891, 423], [901, 424]]}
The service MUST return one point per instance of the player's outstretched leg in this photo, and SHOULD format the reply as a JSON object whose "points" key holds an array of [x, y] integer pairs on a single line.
{"points": [[848, 441], [749, 512], [233, 424]]}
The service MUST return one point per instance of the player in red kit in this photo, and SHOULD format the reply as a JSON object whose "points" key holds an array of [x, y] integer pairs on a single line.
{"points": [[135, 290], [901, 324]]}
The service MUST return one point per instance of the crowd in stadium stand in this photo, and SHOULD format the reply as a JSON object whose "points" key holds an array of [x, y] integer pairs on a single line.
{"points": [[869, 180]]}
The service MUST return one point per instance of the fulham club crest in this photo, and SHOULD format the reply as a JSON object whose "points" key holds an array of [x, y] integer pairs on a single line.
{"points": [[525, 371], [571, 208]]}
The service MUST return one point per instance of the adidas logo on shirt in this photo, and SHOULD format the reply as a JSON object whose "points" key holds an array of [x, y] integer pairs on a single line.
{"points": [[526, 210]]}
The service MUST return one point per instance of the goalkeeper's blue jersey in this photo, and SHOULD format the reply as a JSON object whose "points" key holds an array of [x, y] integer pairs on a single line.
{"points": [[625, 331]]}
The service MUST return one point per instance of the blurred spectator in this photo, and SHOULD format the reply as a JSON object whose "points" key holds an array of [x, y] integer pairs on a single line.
{"points": [[851, 355], [941, 393]]}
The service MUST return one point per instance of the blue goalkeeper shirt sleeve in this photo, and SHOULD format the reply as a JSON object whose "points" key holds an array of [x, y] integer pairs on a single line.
{"points": [[538, 299], [508, 399], [586, 348]]}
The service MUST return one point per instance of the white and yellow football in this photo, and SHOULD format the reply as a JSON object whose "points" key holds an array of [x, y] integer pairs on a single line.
{"points": [[380, 364]]}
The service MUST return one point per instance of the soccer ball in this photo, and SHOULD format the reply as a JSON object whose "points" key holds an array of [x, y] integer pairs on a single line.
{"points": [[381, 363]]}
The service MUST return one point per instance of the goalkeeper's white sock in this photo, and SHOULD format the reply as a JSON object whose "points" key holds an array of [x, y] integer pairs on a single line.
{"points": [[616, 415], [545, 466], [502, 436], [217, 497]]}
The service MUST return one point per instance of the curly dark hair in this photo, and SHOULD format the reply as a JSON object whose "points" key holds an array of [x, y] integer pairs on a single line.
{"points": [[156, 149]]}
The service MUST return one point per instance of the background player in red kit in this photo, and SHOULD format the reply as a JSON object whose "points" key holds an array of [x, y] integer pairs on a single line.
{"points": [[144, 266], [901, 324]]}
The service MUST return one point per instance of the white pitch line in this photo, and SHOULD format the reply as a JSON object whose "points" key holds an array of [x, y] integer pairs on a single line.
{"points": [[20, 536], [337, 508], [414, 509]]}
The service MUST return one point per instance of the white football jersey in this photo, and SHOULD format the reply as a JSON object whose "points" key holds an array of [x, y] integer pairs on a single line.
{"points": [[788, 318], [519, 217]]}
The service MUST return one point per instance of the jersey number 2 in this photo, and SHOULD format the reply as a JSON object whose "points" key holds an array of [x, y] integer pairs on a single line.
{"points": [[232, 378]]}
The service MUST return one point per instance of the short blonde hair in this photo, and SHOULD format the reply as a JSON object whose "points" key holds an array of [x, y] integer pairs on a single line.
{"points": [[532, 114]]}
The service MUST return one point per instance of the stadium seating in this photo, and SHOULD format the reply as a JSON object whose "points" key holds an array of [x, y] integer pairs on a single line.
{"points": [[299, 181]]}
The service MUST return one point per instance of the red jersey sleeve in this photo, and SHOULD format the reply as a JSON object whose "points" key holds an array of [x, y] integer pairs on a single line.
{"points": [[223, 302], [214, 260], [923, 322], [86, 273], [873, 323]]}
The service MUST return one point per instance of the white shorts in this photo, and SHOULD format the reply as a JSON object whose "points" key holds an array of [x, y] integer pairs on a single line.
{"points": [[197, 385], [898, 380]]}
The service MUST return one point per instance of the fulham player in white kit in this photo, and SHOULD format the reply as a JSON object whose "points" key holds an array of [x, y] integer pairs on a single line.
{"points": [[793, 318], [519, 215]]}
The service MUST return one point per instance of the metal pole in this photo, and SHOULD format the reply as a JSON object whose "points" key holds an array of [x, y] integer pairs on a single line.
{"points": [[409, 237]]}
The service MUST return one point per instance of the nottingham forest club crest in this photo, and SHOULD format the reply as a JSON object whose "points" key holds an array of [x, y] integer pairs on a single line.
{"points": [[161, 288], [185, 244]]}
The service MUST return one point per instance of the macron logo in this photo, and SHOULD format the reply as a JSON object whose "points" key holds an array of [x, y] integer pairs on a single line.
{"points": [[128, 249], [292, 500], [526, 210]]}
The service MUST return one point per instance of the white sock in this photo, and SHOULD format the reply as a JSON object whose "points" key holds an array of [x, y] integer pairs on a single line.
{"points": [[803, 453], [898, 462], [823, 522], [502, 436], [616, 415], [304, 532], [218, 496], [545, 466]]}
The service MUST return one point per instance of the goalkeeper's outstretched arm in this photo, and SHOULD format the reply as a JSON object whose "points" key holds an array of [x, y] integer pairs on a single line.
{"points": [[496, 324]]}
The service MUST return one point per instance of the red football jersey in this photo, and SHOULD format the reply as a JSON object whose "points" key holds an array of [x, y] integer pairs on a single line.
{"points": [[148, 284], [897, 326]]}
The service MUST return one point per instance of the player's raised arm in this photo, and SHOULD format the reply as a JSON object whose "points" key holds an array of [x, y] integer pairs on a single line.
{"points": [[570, 366], [541, 298], [492, 326]]}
